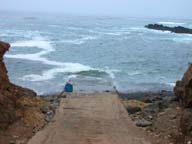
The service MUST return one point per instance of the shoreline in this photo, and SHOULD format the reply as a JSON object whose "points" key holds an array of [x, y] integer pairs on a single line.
{"points": [[114, 90]]}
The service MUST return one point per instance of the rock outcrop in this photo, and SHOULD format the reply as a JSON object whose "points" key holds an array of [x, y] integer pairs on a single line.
{"points": [[12, 104], [183, 90], [178, 29]]}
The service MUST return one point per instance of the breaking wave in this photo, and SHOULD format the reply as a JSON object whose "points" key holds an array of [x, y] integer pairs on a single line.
{"points": [[72, 69], [171, 23], [46, 47]]}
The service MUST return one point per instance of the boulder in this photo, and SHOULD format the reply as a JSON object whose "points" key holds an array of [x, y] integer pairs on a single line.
{"points": [[143, 123], [134, 106], [133, 109]]}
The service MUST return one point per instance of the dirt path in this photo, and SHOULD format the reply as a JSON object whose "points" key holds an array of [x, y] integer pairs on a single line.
{"points": [[99, 119]]}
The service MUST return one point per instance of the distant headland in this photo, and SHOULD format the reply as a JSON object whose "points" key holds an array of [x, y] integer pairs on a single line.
{"points": [[178, 29]]}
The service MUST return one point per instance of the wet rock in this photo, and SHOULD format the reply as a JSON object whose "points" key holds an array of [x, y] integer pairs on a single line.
{"points": [[63, 96], [54, 102], [143, 123], [49, 116], [178, 29]]}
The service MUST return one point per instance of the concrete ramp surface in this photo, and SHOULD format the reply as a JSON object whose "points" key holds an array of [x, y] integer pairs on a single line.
{"points": [[94, 119]]}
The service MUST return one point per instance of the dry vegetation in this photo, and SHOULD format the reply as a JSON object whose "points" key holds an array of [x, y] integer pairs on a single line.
{"points": [[30, 111], [135, 103]]}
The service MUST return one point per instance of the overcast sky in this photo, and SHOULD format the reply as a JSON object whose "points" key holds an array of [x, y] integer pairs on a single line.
{"points": [[148, 8]]}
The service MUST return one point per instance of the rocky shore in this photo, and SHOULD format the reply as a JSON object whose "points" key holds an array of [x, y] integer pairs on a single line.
{"points": [[165, 114], [155, 112], [178, 29]]}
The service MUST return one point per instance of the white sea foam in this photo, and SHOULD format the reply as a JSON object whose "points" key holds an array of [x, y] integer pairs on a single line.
{"points": [[80, 41], [4, 35], [110, 72], [71, 68], [54, 26], [171, 23], [50, 74], [112, 33], [37, 42], [133, 73], [181, 38], [146, 30], [184, 39], [72, 76], [76, 28], [46, 48], [171, 84]]}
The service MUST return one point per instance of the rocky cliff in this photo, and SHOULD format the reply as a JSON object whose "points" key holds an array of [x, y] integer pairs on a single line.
{"points": [[15, 101], [183, 90]]}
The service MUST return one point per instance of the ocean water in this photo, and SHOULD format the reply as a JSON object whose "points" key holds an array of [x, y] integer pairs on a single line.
{"points": [[96, 52]]}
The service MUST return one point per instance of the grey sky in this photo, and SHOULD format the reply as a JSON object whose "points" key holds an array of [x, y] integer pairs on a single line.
{"points": [[148, 8]]}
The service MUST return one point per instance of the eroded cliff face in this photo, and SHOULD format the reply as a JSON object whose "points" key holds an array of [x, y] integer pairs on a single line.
{"points": [[7, 92], [14, 100], [4, 81], [183, 90]]}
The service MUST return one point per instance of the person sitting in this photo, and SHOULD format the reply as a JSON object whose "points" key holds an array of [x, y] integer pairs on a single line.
{"points": [[68, 88]]}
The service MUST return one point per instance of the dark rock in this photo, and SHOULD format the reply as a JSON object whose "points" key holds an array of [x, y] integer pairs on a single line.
{"points": [[177, 29], [49, 115], [157, 98], [143, 123], [62, 96], [49, 112], [12, 142], [147, 100], [107, 91], [133, 110], [142, 96]]}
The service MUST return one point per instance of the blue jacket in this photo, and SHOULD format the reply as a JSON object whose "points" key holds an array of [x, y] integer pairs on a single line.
{"points": [[68, 87]]}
